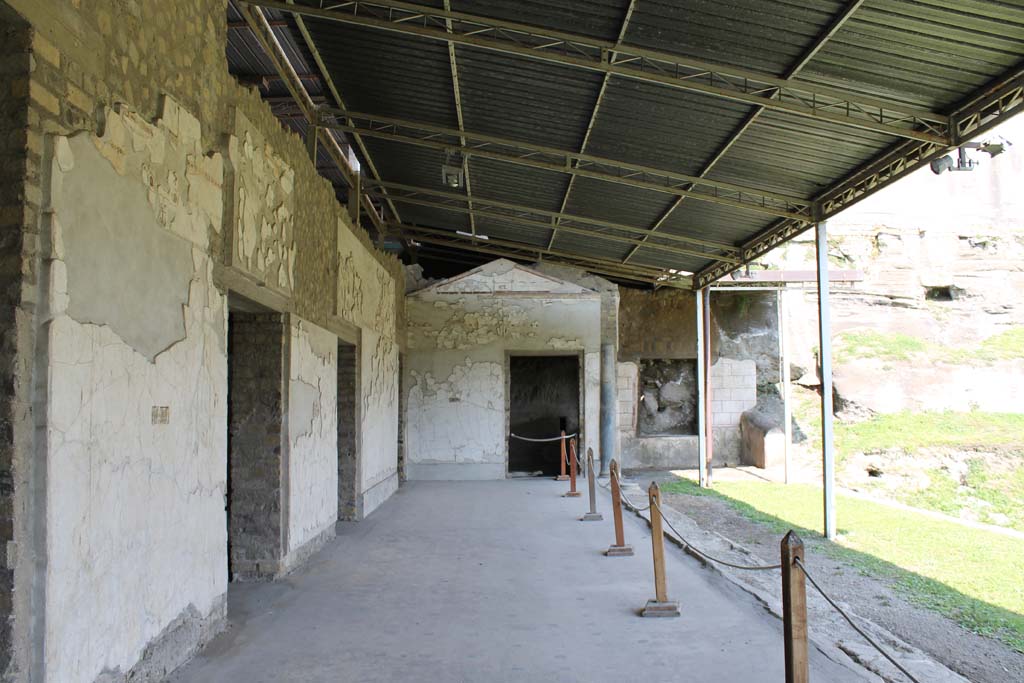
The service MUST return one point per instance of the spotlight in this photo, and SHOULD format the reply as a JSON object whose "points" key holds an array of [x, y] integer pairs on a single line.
{"points": [[948, 163], [452, 173]]}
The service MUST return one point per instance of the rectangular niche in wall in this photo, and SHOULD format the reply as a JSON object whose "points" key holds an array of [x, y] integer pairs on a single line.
{"points": [[348, 444], [668, 398], [544, 397]]}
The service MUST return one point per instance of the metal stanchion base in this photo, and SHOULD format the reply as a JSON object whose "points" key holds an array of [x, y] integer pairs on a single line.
{"points": [[591, 517], [562, 477], [661, 609], [619, 551], [572, 494]]}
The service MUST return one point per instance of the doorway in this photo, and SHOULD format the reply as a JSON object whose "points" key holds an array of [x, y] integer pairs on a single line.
{"points": [[544, 398], [256, 376], [349, 507]]}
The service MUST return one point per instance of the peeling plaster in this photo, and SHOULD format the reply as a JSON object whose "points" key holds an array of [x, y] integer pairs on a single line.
{"points": [[312, 432], [115, 193], [263, 234], [135, 519], [379, 415], [458, 341]]}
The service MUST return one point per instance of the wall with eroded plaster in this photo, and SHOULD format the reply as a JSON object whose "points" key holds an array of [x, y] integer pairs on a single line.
{"points": [[312, 439], [135, 395], [460, 335]]}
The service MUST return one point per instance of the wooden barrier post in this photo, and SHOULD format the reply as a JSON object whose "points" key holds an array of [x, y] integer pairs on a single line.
{"points": [[661, 606], [620, 549], [794, 610], [563, 476], [593, 515], [573, 493]]}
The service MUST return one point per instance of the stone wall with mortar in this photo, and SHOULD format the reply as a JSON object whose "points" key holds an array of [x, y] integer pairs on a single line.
{"points": [[15, 321], [256, 398], [88, 60], [460, 334]]}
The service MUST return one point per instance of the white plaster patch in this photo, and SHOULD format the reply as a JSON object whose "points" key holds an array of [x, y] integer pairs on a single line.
{"points": [[312, 432], [379, 408], [459, 418], [504, 276]]}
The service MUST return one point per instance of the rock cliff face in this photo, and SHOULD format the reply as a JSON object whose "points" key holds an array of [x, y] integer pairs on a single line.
{"points": [[937, 321]]}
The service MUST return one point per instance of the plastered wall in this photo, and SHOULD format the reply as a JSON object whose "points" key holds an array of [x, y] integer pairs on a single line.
{"points": [[151, 79], [460, 334], [135, 394], [312, 438]]}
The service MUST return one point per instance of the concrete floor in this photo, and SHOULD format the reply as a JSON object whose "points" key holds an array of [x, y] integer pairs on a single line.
{"points": [[492, 581]]}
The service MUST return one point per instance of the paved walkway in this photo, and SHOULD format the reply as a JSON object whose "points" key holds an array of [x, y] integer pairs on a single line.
{"points": [[492, 581]]}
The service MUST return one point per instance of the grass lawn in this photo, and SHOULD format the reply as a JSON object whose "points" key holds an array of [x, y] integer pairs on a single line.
{"points": [[912, 431], [971, 576], [896, 346]]}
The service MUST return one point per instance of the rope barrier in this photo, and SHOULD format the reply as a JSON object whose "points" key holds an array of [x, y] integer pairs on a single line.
{"points": [[856, 628], [557, 438], [754, 567]]}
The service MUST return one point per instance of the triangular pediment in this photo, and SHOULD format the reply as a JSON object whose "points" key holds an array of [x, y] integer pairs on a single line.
{"points": [[504, 276]]}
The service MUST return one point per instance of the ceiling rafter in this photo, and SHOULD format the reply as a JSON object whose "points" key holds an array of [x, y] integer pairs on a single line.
{"points": [[733, 83], [573, 163], [593, 114], [443, 199], [815, 47], [457, 94], [593, 233], [525, 252], [992, 105], [325, 76]]}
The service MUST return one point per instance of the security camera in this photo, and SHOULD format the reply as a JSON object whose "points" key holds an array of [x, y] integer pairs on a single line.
{"points": [[995, 146]]}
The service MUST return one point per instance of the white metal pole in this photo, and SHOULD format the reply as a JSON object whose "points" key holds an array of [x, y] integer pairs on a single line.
{"points": [[701, 435], [825, 361], [787, 406]]}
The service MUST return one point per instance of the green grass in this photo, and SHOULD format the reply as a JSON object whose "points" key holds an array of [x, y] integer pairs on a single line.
{"points": [[984, 492], [872, 344], [971, 576], [897, 346], [914, 431]]}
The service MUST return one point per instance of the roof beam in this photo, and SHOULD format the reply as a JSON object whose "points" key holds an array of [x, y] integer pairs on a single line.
{"points": [[508, 210], [993, 104], [732, 83], [339, 101], [573, 163], [593, 115], [594, 233], [813, 49], [524, 252], [457, 94]]}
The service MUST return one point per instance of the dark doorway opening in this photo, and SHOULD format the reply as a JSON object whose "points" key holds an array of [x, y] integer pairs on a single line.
{"points": [[256, 348], [348, 442], [544, 398]]}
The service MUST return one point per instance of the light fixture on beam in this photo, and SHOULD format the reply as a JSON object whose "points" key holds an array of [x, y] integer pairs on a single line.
{"points": [[993, 147], [469, 234], [453, 170]]}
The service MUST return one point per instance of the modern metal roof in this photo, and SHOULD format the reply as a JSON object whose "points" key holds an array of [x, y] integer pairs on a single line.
{"points": [[641, 139]]}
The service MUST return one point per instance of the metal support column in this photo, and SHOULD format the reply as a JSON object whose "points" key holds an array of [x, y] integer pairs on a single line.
{"points": [[609, 406], [701, 434], [709, 414], [825, 363], [787, 406]]}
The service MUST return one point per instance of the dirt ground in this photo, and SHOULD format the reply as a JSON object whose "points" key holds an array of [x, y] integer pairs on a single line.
{"points": [[979, 659]]}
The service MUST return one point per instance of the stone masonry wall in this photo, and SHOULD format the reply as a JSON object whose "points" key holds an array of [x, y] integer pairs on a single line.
{"points": [[14, 322], [256, 348], [349, 502]]}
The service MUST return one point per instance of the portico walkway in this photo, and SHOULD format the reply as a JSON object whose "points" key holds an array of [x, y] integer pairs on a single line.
{"points": [[492, 581]]}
